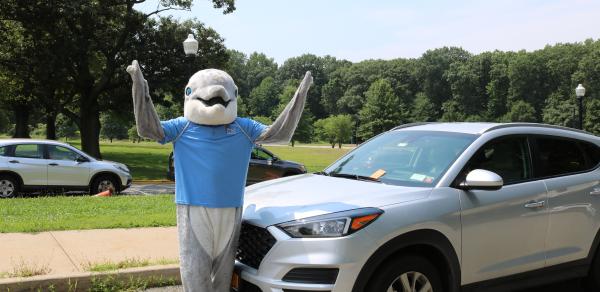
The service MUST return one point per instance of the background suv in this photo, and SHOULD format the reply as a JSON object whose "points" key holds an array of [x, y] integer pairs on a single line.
{"points": [[264, 165], [431, 207], [32, 165]]}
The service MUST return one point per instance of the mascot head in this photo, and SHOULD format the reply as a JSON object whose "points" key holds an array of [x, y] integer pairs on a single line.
{"points": [[210, 98]]}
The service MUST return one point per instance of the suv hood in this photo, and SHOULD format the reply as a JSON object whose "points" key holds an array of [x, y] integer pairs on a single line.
{"points": [[307, 195]]}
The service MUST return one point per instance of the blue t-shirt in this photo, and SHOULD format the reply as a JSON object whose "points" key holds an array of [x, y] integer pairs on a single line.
{"points": [[211, 162]]}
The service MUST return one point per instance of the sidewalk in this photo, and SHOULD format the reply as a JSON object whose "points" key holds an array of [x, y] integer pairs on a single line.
{"points": [[68, 252]]}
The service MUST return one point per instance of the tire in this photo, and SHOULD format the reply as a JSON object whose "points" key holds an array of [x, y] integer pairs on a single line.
{"points": [[592, 282], [415, 273], [9, 186], [104, 182]]}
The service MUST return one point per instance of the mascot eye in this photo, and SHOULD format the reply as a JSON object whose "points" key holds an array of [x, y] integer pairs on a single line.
{"points": [[188, 91]]}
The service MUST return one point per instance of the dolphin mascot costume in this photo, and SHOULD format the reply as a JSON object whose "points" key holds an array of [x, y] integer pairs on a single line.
{"points": [[212, 149]]}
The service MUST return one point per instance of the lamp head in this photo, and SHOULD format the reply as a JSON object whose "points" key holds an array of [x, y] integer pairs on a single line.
{"points": [[580, 91]]}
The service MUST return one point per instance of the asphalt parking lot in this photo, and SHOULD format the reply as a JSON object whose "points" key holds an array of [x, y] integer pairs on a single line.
{"points": [[150, 189]]}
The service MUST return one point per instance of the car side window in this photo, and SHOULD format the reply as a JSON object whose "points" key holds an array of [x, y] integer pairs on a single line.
{"points": [[61, 153], [559, 156], [28, 151], [4, 151], [507, 157], [593, 154], [259, 154]]}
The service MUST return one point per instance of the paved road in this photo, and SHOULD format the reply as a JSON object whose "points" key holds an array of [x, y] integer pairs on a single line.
{"points": [[150, 189]]}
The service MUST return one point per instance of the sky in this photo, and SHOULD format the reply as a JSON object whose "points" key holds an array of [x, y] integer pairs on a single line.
{"points": [[386, 29]]}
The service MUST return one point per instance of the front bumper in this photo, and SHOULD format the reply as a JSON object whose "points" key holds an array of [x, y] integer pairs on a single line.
{"points": [[348, 254], [126, 181]]}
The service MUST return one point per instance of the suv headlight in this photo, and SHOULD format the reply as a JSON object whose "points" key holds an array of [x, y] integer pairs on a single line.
{"points": [[331, 225]]}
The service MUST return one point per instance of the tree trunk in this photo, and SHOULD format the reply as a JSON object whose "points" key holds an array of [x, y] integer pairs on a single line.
{"points": [[293, 142], [51, 126], [89, 127], [21, 121]]}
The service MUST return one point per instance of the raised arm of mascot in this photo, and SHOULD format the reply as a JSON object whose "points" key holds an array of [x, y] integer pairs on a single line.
{"points": [[212, 148], [148, 123]]}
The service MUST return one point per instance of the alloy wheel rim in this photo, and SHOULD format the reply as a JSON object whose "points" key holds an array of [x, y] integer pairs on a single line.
{"points": [[7, 188], [105, 185], [411, 282]]}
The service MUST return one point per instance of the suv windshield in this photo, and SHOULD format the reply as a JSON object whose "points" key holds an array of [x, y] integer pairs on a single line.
{"points": [[406, 158]]}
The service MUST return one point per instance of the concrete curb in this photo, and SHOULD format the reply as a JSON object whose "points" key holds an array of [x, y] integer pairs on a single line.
{"points": [[83, 281]]}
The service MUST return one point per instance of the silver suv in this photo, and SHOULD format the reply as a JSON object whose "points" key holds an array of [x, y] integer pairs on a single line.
{"points": [[28, 165], [431, 207]]}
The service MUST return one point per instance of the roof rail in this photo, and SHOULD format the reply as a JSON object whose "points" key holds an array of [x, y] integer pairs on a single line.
{"points": [[510, 125], [412, 125]]}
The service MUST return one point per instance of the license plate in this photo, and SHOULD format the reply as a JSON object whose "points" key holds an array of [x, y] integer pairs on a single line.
{"points": [[235, 281]]}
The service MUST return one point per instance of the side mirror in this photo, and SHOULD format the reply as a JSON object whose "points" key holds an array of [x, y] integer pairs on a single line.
{"points": [[480, 179], [81, 159], [269, 161]]}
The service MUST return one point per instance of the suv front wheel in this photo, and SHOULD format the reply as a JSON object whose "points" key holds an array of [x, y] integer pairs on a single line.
{"points": [[406, 273], [9, 186], [103, 183]]}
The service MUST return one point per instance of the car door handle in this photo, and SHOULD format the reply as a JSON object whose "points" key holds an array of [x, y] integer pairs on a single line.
{"points": [[535, 205], [53, 164], [595, 191], [14, 161]]}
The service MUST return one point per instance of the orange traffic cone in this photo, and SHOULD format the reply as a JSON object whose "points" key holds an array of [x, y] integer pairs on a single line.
{"points": [[106, 193]]}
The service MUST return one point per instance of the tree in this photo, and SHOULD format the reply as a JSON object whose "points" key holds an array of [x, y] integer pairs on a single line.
{"points": [[382, 111], [423, 109], [453, 111], [133, 134], [335, 129], [97, 35], [560, 110], [431, 70], [112, 128], [236, 67], [263, 98], [520, 111], [259, 67], [65, 128]]}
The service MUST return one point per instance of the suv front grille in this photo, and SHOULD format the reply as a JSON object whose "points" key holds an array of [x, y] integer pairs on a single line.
{"points": [[255, 243]]}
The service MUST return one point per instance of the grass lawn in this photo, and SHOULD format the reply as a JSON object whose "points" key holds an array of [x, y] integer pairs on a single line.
{"points": [[148, 160], [85, 212]]}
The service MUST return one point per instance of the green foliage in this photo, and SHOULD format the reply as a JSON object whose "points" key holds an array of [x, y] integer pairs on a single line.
{"points": [[335, 129], [65, 128], [382, 111], [560, 110], [591, 122], [423, 109], [263, 120], [132, 134], [112, 127], [259, 67], [453, 111], [520, 111], [263, 99]]}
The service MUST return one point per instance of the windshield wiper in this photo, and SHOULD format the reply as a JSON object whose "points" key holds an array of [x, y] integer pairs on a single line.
{"points": [[355, 176], [322, 173]]}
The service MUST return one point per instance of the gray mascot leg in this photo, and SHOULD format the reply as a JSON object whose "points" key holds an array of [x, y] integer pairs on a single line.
{"points": [[207, 243]]}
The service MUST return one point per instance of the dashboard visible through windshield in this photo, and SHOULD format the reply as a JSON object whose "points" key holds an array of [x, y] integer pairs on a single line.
{"points": [[407, 158]]}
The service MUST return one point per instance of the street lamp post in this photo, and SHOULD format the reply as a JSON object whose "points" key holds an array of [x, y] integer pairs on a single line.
{"points": [[190, 47], [580, 92]]}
